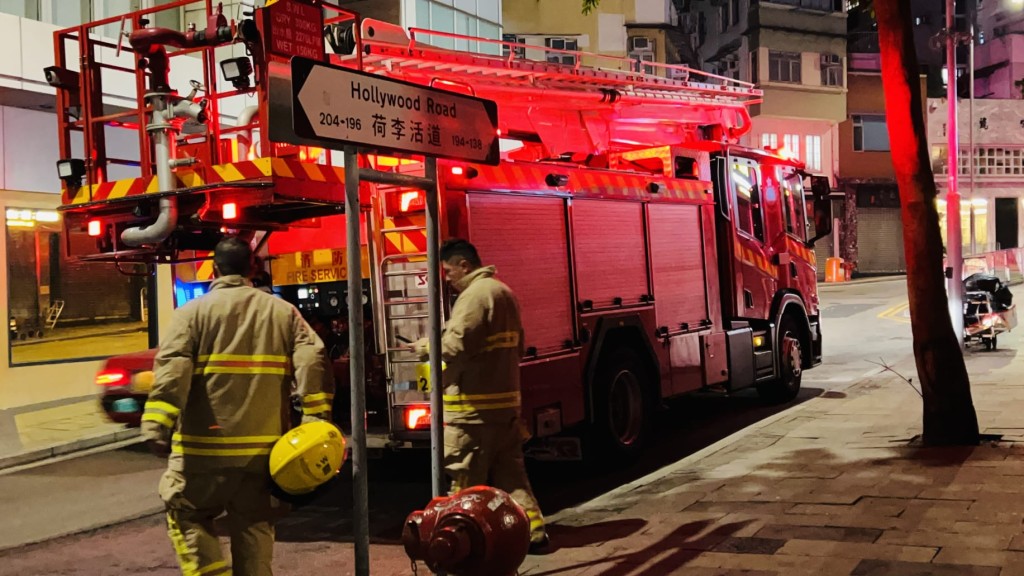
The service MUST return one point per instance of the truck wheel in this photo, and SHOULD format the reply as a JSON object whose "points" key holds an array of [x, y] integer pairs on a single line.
{"points": [[622, 404], [791, 358]]}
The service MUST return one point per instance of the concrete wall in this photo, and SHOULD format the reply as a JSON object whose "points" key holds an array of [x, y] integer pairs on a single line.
{"points": [[600, 31]]}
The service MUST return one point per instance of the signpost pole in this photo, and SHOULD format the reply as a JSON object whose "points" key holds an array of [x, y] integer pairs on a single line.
{"points": [[434, 335], [360, 504]]}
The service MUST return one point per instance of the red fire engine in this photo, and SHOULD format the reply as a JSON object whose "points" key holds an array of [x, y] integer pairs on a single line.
{"points": [[652, 254]]}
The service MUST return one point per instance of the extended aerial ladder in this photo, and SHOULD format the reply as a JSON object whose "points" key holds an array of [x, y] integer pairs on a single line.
{"points": [[217, 151]]}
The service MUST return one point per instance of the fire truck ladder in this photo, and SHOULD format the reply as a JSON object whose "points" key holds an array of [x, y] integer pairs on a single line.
{"points": [[621, 92], [403, 291]]}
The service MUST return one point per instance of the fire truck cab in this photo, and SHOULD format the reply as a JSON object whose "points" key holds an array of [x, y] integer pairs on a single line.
{"points": [[651, 253]]}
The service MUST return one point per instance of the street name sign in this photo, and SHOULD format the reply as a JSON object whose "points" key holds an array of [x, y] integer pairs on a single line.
{"points": [[337, 105]]}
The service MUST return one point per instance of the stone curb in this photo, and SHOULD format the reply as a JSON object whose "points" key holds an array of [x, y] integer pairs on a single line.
{"points": [[679, 464], [705, 452], [56, 450]]}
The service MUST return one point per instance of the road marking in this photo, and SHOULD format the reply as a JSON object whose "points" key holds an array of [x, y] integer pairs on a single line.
{"points": [[895, 313]]}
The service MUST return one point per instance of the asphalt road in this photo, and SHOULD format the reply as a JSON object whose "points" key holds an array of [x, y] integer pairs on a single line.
{"points": [[863, 325]]}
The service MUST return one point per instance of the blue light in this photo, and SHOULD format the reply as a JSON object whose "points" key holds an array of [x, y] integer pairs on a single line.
{"points": [[185, 292]]}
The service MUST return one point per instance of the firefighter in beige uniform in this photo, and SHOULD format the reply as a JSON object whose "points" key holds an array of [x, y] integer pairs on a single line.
{"points": [[482, 345], [223, 378]]}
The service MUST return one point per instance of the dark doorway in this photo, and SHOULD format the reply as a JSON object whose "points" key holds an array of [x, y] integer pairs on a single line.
{"points": [[1006, 223]]}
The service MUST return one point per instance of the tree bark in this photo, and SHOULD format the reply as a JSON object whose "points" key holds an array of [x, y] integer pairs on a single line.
{"points": [[949, 416]]}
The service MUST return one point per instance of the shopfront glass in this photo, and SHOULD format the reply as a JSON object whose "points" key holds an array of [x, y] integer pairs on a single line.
{"points": [[981, 240], [60, 309]]}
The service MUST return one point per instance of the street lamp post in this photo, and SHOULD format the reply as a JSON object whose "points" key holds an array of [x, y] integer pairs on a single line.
{"points": [[954, 242]]}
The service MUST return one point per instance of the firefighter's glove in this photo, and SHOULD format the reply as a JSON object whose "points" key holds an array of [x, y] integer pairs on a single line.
{"points": [[422, 348], [159, 447]]}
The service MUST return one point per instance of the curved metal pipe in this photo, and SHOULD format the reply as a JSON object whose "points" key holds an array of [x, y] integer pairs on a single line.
{"points": [[245, 137], [167, 220]]}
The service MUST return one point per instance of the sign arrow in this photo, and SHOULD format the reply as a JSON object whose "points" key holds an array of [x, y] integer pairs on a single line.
{"points": [[337, 105]]}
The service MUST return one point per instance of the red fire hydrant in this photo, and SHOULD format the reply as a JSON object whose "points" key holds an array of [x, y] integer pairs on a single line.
{"points": [[480, 531]]}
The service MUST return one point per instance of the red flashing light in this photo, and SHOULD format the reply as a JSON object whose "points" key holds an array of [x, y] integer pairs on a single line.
{"points": [[115, 377], [229, 210], [407, 199], [417, 418], [95, 228]]}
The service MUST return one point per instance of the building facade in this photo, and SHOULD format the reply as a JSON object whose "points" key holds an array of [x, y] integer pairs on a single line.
{"points": [[990, 189], [871, 229], [795, 50]]}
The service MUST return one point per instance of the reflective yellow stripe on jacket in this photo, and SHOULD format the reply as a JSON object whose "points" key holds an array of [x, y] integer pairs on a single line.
{"points": [[242, 364], [478, 402], [222, 445], [162, 413], [502, 340], [316, 403]]}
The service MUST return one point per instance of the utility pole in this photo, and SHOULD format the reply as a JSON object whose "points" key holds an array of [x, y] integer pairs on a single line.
{"points": [[954, 241]]}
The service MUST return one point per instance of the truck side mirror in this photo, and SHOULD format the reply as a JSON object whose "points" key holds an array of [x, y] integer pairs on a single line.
{"points": [[820, 190]]}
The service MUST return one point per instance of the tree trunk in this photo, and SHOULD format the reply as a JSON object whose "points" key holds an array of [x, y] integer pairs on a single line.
{"points": [[949, 417]]}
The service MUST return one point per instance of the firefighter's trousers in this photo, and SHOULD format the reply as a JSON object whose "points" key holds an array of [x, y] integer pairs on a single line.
{"points": [[492, 455], [193, 500]]}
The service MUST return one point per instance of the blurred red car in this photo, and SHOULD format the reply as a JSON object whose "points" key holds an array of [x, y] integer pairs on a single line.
{"points": [[125, 382]]}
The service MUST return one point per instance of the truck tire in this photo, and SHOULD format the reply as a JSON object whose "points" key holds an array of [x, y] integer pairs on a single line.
{"points": [[623, 406], [791, 360]]}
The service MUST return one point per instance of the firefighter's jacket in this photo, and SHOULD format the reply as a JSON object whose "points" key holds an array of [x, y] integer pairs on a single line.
{"points": [[482, 345], [224, 374]]}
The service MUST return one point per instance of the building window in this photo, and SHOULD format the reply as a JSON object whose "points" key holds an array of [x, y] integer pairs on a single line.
{"points": [[561, 44], [506, 49], [784, 66], [769, 141], [831, 70], [870, 133], [641, 49], [734, 12], [812, 153], [791, 143], [52, 299], [723, 16]]}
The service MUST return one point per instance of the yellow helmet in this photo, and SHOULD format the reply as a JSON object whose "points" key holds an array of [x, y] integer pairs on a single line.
{"points": [[423, 375], [307, 456]]}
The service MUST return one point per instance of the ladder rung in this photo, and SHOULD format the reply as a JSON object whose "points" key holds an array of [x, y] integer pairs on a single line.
{"points": [[407, 272], [401, 229], [409, 317], [406, 302], [404, 361]]}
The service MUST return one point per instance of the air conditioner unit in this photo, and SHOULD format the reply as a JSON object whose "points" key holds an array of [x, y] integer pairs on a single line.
{"points": [[640, 44]]}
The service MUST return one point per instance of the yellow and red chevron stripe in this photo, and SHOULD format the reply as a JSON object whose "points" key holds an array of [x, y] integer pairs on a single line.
{"points": [[755, 258], [802, 251], [259, 168], [581, 182], [407, 241]]}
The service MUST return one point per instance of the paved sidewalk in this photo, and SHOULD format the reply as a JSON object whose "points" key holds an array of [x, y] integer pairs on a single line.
{"points": [[37, 433], [835, 486]]}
